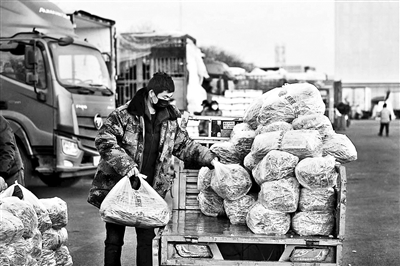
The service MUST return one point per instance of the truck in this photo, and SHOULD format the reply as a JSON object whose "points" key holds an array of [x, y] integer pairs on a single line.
{"points": [[192, 238], [55, 91]]}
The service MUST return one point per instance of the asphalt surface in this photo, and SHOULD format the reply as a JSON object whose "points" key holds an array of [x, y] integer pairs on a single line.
{"points": [[372, 217]]}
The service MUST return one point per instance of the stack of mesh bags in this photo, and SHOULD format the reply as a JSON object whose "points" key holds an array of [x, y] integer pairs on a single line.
{"points": [[27, 236]]}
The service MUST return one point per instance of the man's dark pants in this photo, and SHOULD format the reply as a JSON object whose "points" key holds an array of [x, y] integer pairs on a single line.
{"points": [[115, 240], [384, 125]]}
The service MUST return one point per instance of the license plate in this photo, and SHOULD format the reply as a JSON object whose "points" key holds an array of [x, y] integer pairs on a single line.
{"points": [[96, 160]]}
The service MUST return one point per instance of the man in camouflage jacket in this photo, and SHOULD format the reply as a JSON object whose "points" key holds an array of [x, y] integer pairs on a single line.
{"points": [[141, 136]]}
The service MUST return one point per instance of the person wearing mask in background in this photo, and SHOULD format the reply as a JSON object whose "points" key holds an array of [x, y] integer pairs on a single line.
{"points": [[140, 137], [11, 166], [385, 120], [213, 110]]}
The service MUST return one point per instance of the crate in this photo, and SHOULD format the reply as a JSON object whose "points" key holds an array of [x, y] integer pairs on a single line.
{"points": [[189, 226]]}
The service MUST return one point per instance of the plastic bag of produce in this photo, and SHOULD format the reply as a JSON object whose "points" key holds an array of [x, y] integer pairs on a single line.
{"points": [[204, 178], [252, 112], [317, 172], [52, 239], [44, 221], [237, 210], [250, 162], [63, 257], [34, 244], [265, 143], [275, 126], [226, 152], [143, 207], [7, 253], [290, 101], [24, 211], [210, 203], [317, 199], [280, 195], [231, 181], [58, 211], [313, 223], [261, 220], [242, 137], [20, 255], [275, 165], [302, 143], [11, 227], [30, 261], [3, 184], [340, 147], [48, 258], [318, 122]]}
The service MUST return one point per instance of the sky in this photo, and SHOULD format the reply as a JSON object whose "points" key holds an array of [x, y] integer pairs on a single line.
{"points": [[248, 29]]}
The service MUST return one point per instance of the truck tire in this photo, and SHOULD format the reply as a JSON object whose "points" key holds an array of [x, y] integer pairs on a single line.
{"points": [[54, 181]]}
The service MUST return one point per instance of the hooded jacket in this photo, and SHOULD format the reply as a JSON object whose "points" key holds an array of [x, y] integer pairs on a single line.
{"points": [[120, 142]]}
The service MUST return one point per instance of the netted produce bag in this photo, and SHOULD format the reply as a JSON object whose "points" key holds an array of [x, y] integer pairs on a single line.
{"points": [[11, 227], [261, 220], [3, 184], [250, 162], [275, 126], [226, 152], [302, 143], [318, 122], [204, 178], [317, 199], [340, 147], [48, 258], [252, 112], [210, 203], [313, 223], [316, 172], [143, 207], [237, 210], [242, 137], [58, 211], [274, 166], [63, 257], [24, 211], [52, 239], [231, 181], [280, 195], [44, 221]]}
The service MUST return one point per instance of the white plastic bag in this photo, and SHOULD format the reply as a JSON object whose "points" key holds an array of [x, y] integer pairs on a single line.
{"points": [[143, 207]]}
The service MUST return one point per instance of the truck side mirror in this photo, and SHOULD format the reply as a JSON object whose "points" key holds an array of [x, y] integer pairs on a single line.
{"points": [[30, 57]]}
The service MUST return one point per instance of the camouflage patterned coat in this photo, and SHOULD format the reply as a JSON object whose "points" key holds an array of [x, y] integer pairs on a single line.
{"points": [[120, 142]]}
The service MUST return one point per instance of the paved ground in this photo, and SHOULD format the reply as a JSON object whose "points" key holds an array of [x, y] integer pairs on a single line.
{"points": [[373, 214]]}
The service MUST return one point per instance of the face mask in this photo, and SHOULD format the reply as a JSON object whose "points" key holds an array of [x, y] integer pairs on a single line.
{"points": [[160, 103], [214, 107]]}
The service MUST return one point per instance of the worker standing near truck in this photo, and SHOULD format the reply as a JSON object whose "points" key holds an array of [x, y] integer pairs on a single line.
{"points": [[140, 137], [11, 166]]}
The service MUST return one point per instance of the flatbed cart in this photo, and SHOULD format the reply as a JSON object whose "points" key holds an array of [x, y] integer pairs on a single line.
{"points": [[191, 238]]}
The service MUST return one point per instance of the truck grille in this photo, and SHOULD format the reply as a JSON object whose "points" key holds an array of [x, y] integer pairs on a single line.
{"points": [[87, 131]]}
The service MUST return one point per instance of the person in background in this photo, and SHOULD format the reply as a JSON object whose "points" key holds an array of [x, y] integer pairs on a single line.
{"points": [[11, 166], [385, 120], [140, 137], [212, 110], [205, 104]]}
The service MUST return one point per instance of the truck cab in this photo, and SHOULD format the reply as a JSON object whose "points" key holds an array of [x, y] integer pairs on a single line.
{"points": [[55, 91]]}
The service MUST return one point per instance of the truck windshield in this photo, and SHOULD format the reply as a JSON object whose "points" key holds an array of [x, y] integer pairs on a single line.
{"points": [[80, 69]]}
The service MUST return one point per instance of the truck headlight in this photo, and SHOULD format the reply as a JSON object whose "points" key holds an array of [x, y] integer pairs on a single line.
{"points": [[69, 147]]}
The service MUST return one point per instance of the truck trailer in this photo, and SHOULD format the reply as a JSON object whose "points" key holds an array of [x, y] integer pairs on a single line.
{"points": [[55, 90]]}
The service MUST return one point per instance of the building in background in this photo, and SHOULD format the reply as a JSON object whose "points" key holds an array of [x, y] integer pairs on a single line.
{"points": [[367, 53]]}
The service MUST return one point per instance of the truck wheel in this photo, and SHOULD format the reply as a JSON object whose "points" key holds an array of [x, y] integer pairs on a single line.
{"points": [[28, 167], [54, 181]]}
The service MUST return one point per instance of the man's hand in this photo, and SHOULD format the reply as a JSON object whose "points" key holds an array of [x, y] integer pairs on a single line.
{"points": [[133, 172]]}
